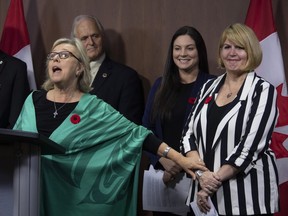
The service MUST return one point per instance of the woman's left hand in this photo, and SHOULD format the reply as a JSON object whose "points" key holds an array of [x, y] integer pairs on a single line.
{"points": [[167, 177], [209, 182]]}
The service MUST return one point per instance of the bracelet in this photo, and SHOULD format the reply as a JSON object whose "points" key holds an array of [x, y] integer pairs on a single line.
{"points": [[165, 153], [199, 173]]}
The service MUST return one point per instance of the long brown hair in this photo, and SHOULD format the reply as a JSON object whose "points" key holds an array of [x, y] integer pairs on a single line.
{"points": [[168, 91]]}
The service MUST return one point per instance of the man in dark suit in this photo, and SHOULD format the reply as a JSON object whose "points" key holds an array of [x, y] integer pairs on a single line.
{"points": [[115, 83], [14, 88]]}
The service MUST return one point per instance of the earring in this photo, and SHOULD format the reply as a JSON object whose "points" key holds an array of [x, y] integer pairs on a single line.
{"points": [[79, 74]]}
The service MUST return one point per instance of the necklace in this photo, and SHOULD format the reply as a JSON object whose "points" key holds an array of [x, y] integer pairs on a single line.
{"points": [[230, 93], [55, 107]]}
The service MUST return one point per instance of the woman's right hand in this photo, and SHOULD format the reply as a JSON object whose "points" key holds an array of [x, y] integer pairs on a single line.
{"points": [[170, 166], [188, 164], [191, 163]]}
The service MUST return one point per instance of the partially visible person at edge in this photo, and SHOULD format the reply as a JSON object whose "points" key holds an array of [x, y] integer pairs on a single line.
{"points": [[231, 125], [172, 95], [14, 88], [98, 173], [117, 84]]}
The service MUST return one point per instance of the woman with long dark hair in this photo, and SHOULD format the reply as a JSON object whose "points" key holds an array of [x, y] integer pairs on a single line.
{"points": [[172, 95]]}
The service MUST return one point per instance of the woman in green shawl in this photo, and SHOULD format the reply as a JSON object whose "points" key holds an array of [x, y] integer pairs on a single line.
{"points": [[98, 174]]}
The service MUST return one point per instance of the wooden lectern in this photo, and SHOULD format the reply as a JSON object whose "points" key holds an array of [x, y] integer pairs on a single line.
{"points": [[20, 154]]}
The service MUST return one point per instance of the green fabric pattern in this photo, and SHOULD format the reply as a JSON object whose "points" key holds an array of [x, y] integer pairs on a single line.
{"points": [[98, 174]]}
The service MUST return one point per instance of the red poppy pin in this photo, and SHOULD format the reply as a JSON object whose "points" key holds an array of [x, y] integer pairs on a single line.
{"points": [[208, 99], [75, 119], [191, 100]]}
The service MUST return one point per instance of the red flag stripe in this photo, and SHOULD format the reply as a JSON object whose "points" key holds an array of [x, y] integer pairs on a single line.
{"points": [[261, 10], [15, 29], [15, 38]]}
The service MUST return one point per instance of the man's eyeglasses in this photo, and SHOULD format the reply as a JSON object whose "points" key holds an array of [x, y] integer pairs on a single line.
{"points": [[61, 55]]}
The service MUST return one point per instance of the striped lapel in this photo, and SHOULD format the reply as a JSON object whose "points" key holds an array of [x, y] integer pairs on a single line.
{"points": [[202, 110]]}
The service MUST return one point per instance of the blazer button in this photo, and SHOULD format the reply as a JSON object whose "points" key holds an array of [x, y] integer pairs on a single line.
{"points": [[104, 75]]}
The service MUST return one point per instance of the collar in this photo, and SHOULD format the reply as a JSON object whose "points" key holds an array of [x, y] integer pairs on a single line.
{"points": [[95, 65], [98, 62]]}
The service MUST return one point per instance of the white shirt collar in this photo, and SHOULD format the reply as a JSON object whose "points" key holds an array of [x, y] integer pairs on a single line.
{"points": [[95, 65]]}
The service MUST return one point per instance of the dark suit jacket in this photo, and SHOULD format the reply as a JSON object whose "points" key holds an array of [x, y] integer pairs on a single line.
{"points": [[121, 87], [14, 88]]}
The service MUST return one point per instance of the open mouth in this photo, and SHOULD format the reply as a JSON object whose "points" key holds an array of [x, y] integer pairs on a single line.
{"points": [[56, 69]]}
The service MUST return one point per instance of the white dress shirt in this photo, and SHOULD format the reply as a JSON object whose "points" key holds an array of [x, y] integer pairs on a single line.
{"points": [[95, 65]]}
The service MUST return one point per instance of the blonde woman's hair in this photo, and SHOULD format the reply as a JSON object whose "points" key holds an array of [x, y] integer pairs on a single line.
{"points": [[84, 78], [243, 36]]}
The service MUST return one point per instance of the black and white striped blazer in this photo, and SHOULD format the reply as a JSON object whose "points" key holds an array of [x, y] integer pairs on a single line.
{"points": [[242, 140]]}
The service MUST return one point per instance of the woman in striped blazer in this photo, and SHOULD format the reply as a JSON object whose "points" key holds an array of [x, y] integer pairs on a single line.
{"points": [[230, 126]]}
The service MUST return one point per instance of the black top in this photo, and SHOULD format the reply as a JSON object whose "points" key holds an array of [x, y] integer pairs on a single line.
{"points": [[172, 128], [46, 123], [214, 117]]}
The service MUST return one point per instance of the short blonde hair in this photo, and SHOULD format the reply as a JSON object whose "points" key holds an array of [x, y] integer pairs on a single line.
{"points": [[84, 79], [242, 36]]}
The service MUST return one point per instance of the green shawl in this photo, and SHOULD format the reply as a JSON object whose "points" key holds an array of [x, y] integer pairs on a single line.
{"points": [[98, 174]]}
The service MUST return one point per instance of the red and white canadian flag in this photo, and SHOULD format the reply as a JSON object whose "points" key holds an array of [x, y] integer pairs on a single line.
{"points": [[260, 19], [15, 38]]}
